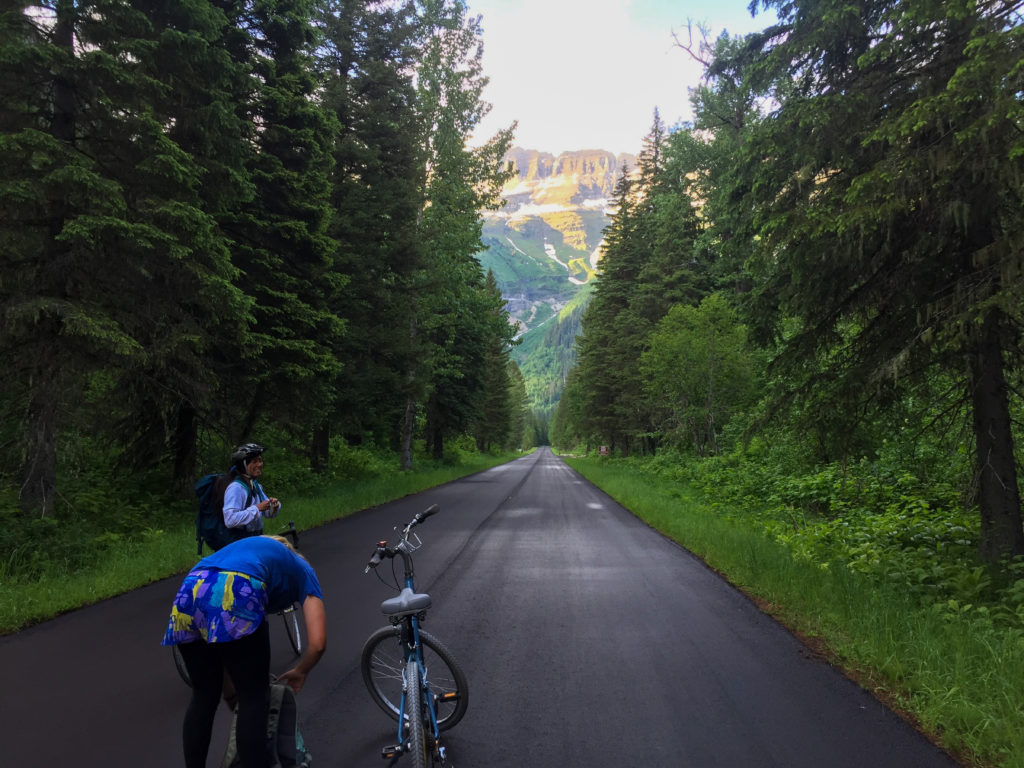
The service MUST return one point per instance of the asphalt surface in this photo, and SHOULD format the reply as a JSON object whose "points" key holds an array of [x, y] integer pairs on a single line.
{"points": [[588, 640]]}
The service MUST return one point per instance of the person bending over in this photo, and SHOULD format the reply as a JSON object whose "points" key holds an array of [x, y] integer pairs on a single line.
{"points": [[219, 621]]}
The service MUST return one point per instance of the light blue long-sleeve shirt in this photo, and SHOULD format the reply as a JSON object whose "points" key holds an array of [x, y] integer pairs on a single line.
{"points": [[237, 515]]}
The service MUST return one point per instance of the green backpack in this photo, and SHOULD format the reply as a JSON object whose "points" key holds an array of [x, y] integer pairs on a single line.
{"points": [[282, 731]]}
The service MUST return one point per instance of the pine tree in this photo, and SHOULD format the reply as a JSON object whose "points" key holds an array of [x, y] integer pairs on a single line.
{"points": [[888, 215], [282, 244], [113, 268], [195, 84], [497, 415], [377, 195], [447, 292]]}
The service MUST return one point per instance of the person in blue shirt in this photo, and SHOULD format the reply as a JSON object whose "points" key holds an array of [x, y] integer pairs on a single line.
{"points": [[245, 501], [218, 621]]}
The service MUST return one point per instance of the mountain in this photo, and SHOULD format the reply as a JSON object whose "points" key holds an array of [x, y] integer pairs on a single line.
{"points": [[544, 246]]}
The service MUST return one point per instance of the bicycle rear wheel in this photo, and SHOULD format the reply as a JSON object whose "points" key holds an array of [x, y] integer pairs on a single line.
{"points": [[383, 664], [295, 626], [179, 664]]}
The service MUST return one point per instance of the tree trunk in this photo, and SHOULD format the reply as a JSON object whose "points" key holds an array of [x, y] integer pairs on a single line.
{"points": [[39, 473], [186, 434], [998, 494], [409, 418], [320, 449], [408, 425]]}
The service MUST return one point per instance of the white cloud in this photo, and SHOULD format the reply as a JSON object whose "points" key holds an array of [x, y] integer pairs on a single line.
{"points": [[587, 74]]}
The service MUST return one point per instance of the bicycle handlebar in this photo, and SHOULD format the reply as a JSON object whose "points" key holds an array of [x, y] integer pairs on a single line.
{"points": [[383, 550], [433, 509], [292, 533]]}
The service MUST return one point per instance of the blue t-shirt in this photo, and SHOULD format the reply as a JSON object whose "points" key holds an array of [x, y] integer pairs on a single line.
{"points": [[288, 578]]}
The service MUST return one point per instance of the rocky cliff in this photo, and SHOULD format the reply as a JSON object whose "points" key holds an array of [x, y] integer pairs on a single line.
{"points": [[585, 178]]}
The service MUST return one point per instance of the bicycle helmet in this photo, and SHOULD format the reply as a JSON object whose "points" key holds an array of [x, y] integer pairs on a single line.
{"points": [[244, 454]]}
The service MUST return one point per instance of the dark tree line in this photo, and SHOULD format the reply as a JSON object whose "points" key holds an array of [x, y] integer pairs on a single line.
{"points": [[230, 217], [851, 187]]}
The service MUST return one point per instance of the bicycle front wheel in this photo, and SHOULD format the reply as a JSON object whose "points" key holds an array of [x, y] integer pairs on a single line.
{"points": [[419, 721], [383, 664], [294, 626]]}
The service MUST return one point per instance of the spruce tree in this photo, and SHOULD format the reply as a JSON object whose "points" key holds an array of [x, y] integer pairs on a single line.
{"points": [[282, 243], [447, 293], [889, 211], [377, 195], [113, 269]]}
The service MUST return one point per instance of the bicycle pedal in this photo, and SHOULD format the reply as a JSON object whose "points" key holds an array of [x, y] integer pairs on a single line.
{"points": [[390, 752]]}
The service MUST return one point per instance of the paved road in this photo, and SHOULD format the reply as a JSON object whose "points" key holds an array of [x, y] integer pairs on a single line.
{"points": [[588, 640]]}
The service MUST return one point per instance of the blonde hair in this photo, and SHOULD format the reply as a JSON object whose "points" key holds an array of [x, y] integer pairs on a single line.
{"points": [[284, 540]]}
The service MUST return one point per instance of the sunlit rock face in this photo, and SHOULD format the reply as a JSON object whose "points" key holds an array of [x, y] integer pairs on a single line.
{"points": [[584, 178]]}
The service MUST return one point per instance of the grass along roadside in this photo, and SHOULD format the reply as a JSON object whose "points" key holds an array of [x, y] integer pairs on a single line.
{"points": [[956, 677], [123, 564]]}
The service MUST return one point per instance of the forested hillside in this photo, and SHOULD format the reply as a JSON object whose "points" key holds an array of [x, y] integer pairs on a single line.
{"points": [[829, 260], [222, 221]]}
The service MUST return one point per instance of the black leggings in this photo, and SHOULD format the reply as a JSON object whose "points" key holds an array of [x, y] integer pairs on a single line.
{"points": [[247, 662]]}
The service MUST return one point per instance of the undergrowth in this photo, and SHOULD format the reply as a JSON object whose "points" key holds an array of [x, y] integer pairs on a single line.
{"points": [[113, 532]]}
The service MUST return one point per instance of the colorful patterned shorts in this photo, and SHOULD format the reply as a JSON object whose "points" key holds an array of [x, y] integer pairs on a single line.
{"points": [[217, 607]]}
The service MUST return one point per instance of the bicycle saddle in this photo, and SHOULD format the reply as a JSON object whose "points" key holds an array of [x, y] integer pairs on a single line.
{"points": [[406, 602]]}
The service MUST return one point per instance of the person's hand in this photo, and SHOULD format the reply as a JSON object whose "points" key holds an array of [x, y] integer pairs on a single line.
{"points": [[294, 678]]}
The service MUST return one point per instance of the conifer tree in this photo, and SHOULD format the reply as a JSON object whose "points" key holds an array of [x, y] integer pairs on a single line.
{"points": [[194, 82], [889, 213], [112, 264], [447, 293], [520, 417], [282, 245], [497, 412], [377, 194], [597, 372]]}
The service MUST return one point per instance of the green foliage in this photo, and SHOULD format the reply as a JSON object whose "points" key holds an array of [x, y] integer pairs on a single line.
{"points": [[224, 219], [102, 508], [887, 156], [870, 517], [698, 372]]}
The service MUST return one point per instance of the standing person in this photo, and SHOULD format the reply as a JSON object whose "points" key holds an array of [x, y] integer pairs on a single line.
{"points": [[219, 622], [245, 501]]}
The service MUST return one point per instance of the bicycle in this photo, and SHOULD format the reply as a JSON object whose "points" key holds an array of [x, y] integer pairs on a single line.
{"points": [[293, 624], [408, 672]]}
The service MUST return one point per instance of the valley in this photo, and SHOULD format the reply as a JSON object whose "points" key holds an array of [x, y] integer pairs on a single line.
{"points": [[544, 248]]}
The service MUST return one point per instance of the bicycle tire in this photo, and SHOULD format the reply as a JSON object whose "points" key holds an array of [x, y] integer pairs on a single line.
{"points": [[383, 664], [179, 664], [294, 624], [419, 744]]}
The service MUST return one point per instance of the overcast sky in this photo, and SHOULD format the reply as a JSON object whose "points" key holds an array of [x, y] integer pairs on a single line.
{"points": [[587, 74]]}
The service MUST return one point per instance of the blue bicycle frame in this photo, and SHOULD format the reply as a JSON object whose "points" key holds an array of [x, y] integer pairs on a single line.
{"points": [[405, 612]]}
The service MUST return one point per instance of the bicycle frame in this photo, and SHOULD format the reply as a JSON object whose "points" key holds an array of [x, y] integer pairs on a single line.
{"points": [[406, 613], [412, 648]]}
